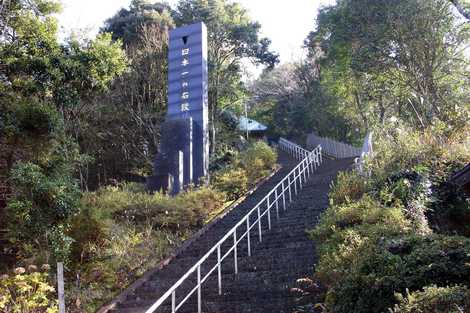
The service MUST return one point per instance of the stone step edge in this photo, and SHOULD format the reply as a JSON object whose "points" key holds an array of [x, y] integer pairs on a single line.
{"points": [[107, 307]]}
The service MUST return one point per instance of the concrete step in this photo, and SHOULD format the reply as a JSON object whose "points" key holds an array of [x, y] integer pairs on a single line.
{"points": [[264, 280]]}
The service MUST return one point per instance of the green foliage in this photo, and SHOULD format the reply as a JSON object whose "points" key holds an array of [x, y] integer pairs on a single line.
{"points": [[433, 299], [369, 61], [186, 210], [376, 238], [127, 24], [27, 292], [258, 160], [35, 119], [86, 228], [349, 186], [41, 204], [244, 169], [348, 232], [413, 262], [110, 265], [386, 49], [232, 181], [123, 231]]}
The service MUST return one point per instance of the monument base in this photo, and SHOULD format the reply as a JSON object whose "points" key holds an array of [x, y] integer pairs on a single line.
{"points": [[173, 164], [159, 183]]}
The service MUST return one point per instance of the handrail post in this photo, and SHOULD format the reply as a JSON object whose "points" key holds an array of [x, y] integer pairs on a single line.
{"points": [[311, 159], [259, 226], [60, 286], [295, 183], [304, 167], [248, 234], [277, 204], [199, 295], [173, 301], [235, 261], [269, 214], [307, 165], [219, 270], [283, 196], [289, 186]]}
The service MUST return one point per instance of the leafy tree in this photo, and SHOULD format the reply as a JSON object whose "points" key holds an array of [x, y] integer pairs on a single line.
{"points": [[125, 135], [401, 59], [127, 24], [44, 86]]}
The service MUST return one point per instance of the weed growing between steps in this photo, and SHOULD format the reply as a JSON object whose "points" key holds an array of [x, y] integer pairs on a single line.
{"points": [[396, 241]]}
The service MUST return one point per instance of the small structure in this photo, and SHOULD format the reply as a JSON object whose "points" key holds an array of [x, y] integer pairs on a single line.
{"points": [[253, 128]]}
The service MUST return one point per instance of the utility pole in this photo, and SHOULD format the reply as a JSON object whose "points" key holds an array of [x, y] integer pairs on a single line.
{"points": [[246, 120]]}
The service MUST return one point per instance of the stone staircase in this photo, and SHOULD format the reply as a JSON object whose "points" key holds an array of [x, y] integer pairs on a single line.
{"points": [[264, 280]]}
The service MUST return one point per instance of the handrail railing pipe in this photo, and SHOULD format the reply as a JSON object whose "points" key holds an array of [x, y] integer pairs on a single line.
{"points": [[296, 178]]}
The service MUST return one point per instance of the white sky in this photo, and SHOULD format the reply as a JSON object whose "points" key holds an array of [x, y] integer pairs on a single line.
{"points": [[286, 23]]}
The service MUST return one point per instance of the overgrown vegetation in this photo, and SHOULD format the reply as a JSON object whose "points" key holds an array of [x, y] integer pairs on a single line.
{"points": [[123, 231], [397, 231], [245, 169]]}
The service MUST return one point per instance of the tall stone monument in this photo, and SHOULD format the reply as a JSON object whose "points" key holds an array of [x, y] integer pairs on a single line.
{"points": [[184, 148]]}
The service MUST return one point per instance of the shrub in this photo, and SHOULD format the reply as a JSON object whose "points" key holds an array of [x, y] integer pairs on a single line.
{"points": [[399, 148], [126, 253], [412, 190], [433, 299], [375, 240], [349, 186], [348, 232], [86, 230], [27, 292], [40, 207], [394, 266], [232, 181], [186, 210], [36, 118], [258, 160], [360, 215], [450, 210]]}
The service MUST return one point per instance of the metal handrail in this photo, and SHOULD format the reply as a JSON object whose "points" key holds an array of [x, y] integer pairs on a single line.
{"points": [[293, 180]]}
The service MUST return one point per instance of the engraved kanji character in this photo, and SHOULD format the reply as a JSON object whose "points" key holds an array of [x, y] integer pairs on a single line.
{"points": [[184, 107]]}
